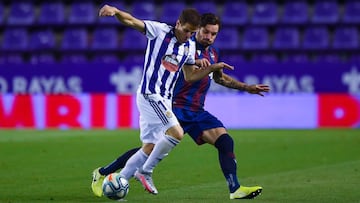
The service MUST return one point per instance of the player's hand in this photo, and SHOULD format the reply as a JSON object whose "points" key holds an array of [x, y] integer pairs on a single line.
{"points": [[220, 66], [202, 62], [107, 10], [258, 89]]}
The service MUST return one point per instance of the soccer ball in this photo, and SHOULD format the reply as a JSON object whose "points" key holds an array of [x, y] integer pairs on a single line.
{"points": [[115, 187]]}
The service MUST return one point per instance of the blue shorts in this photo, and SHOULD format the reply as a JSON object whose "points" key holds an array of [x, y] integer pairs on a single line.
{"points": [[194, 123]]}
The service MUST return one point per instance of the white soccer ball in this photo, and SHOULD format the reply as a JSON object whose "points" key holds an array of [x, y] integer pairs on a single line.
{"points": [[115, 187]]}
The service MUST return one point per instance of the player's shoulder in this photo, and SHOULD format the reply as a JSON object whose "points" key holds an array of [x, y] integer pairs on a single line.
{"points": [[158, 25], [214, 48], [192, 42]]}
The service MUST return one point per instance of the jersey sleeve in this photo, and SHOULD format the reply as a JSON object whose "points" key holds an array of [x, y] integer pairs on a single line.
{"points": [[154, 28]]}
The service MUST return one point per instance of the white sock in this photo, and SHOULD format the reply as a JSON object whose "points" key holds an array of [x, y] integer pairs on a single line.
{"points": [[135, 162], [161, 149]]}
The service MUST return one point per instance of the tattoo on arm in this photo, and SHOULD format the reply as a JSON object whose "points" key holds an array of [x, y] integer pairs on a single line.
{"points": [[230, 82]]}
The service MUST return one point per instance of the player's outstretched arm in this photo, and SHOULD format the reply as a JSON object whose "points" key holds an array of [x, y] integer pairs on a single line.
{"points": [[124, 17], [193, 73], [227, 81]]}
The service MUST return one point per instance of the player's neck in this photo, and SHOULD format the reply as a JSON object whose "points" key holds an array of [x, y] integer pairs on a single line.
{"points": [[205, 47]]}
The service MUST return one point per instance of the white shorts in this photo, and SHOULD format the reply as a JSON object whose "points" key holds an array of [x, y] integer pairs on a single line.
{"points": [[156, 116]]}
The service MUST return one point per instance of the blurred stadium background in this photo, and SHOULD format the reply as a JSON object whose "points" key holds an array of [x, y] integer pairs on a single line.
{"points": [[63, 67]]}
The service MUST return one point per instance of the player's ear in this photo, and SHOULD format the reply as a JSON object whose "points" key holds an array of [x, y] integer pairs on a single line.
{"points": [[178, 24]]}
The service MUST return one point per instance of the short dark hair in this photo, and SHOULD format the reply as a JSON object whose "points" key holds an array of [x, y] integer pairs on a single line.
{"points": [[191, 16], [210, 18]]}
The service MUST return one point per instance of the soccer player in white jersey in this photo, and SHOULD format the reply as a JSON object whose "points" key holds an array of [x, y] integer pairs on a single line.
{"points": [[169, 49]]}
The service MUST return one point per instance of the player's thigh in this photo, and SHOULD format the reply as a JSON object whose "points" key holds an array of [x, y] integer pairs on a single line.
{"points": [[211, 126], [150, 132], [155, 109], [211, 135], [156, 116], [202, 126]]}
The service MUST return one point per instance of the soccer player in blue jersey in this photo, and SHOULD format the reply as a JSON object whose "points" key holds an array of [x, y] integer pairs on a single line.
{"points": [[203, 127], [169, 50]]}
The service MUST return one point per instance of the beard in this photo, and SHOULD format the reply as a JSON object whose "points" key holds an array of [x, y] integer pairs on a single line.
{"points": [[206, 42]]}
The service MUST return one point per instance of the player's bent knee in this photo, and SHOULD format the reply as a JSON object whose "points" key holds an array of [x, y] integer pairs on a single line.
{"points": [[176, 132], [177, 135]]}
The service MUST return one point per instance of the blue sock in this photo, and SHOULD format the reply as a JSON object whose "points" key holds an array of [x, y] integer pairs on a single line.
{"points": [[118, 163], [225, 146]]}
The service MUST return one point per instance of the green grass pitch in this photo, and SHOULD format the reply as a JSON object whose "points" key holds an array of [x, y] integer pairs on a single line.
{"points": [[291, 165]]}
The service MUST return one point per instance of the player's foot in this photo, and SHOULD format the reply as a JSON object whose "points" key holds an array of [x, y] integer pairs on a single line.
{"points": [[146, 181], [96, 184], [246, 192]]}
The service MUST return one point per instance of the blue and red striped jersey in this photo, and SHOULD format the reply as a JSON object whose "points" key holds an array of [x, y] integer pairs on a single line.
{"points": [[191, 96]]}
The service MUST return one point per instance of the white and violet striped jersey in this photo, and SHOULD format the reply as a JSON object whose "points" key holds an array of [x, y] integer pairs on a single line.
{"points": [[164, 58]]}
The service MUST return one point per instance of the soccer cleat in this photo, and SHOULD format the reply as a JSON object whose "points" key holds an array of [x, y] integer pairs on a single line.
{"points": [[146, 181], [96, 184], [246, 192]]}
